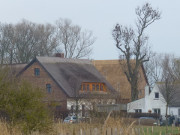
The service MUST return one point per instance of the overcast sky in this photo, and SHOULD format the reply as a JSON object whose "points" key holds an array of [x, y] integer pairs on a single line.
{"points": [[100, 16]]}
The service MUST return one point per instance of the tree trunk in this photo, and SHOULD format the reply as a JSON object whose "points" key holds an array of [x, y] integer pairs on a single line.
{"points": [[134, 90], [77, 108], [166, 118]]}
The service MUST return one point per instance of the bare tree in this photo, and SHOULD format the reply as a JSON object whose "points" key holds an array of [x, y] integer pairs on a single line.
{"points": [[169, 86], [21, 42], [133, 44], [47, 40], [6, 43], [177, 68], [74, 42], [33, 39], [153, 69]]}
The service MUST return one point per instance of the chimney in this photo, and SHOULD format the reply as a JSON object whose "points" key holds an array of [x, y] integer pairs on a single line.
{"points": [[146, 90], [61, 55]]}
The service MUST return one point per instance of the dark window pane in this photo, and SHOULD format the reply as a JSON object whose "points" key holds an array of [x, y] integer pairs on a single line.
{"points": [[157, 111], [36, 71], [138, 111], [83, 110], [88, 87], [48, 88], [156, 95], [93, 87], [72, 109], [101, 87], [84, 87], [97, 87]]}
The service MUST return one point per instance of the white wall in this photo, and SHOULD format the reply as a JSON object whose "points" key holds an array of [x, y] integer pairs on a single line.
{"points": [[138, 104], [149, 102], [174, 111], [153, 103], [88, 103]]}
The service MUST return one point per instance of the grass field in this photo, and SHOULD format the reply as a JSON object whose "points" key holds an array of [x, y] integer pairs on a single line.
{"points": [[157, 130]]}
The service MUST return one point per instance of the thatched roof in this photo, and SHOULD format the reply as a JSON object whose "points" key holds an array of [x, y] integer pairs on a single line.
{"points": [[113, 72], [69, 74]]}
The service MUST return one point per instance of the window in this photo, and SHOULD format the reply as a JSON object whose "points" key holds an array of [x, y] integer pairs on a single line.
{"points": [[97, 87], [178, 112], [156, 95], [87, 87], [83, 110], [93, 87], [48, 88], [36, 71], [101, 88], [72, 109], [157, 111], [138, 111], [84, 87]]}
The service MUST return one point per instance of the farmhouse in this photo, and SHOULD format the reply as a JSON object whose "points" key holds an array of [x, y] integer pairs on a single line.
{"points": [[154, 102], [68, 81], [112, 70]]}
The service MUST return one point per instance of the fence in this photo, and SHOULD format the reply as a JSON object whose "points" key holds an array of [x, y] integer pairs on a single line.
{"points": [[97, 131]]}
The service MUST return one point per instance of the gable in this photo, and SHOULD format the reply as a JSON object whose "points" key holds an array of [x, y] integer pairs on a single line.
{"points": [[70, 74], [42, 80]]}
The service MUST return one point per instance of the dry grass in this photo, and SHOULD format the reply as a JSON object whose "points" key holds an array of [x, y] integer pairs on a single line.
{"points": [[5, 129], [76, 129], [111, 126]]}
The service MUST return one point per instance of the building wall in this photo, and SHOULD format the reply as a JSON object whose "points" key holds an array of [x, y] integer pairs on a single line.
{"points": [[149, 103], [138, 104], [174, 111], [57, 95], [153, 103], [112, 71], [89, 104]]}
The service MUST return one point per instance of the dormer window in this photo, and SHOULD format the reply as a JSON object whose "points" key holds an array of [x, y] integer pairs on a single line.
{"points": [[93, 87], [36, 71], [156, 95]]}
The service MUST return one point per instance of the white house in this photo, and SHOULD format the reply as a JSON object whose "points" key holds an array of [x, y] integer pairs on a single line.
{"points": [[153, 102]]}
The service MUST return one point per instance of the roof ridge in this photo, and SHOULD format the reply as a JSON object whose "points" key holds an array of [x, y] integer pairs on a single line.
{"points": [[62, 60]]}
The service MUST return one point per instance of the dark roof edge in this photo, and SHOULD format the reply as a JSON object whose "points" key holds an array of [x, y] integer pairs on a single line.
{"points": [[28, 65], [52, 77]]}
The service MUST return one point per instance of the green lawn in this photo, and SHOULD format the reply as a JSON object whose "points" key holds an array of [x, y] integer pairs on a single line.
{"points": [[157, 130]]}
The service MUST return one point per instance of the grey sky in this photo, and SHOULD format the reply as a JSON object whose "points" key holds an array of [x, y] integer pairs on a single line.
{"points": [[100, 16]]}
